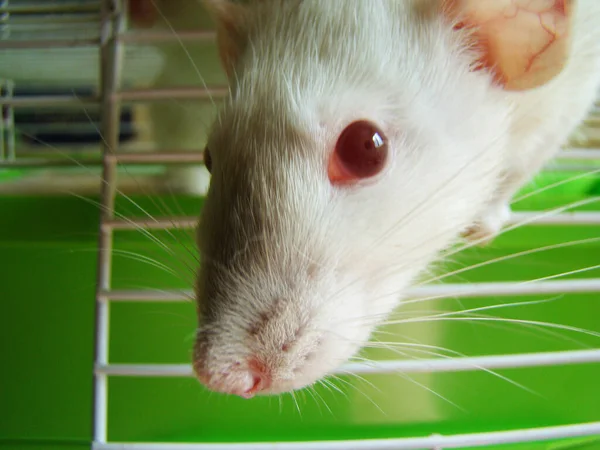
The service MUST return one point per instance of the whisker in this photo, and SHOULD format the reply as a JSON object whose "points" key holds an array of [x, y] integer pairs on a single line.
{"points": [[562, 274], [501, 306], [548, 213], [512, 256], [369, 399], [186, 51], [548, 334], [137, 227], [332, 385], [391, 321], [428, 389], [556, 184], [293, 394], [441, 355], [145, 259], [501, 319], [310, 391], [519, 283], [363, 379], [128, 198], [323, 400], [162, 291]]}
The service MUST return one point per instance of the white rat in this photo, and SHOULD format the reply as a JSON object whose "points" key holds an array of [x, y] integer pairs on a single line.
{"points": [[360, 139]]}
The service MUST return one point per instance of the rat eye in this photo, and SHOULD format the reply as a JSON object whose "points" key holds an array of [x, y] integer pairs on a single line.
{"points": [[360, 152], [207, 160]]}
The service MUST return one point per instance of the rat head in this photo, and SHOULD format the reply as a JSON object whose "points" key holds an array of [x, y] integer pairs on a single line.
{"points": [[359, 139]]}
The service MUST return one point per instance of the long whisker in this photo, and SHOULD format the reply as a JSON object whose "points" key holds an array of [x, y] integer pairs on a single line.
{"points": [[323, 400], [310, 391], [137, 227], [562, 274], [375, 318], [511, 256], [346, 382], [474, 243], [498, 319], [187, 53], [501, 306], [363, 379], [293, 394], [556, 184], [527, 330], [520, 283], [428, 389], [145, 259], [548, 213], [332, 385], [128, 198], [390, 346], [427, 203]]}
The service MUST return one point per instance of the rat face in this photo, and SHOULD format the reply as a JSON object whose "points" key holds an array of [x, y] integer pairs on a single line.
{"points": [[340, 168], [270, 316]]}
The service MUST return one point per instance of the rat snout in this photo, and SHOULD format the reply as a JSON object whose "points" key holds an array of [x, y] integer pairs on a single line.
{"points": [[270, 354], [228, 372], [242, 379]]}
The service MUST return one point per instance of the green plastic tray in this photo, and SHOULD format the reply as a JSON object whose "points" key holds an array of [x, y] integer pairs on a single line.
{"points": [[47, 281]]}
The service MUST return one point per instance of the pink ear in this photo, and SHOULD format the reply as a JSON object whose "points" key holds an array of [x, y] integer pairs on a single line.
{"points": [[229, 18], [524, 43]]}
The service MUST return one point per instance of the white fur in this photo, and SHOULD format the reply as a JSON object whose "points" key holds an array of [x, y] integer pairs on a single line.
{"points": [[337, 260]]}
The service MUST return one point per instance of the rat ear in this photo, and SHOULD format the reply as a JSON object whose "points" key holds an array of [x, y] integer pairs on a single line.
{"points": [[524, 44], [229, 17]]}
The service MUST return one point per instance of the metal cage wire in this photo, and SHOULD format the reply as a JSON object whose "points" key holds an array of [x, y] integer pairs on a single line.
{"points": [[110, 40]]}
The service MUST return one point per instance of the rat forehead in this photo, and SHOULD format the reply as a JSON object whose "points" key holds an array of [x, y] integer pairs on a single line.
{"points": [[290, 84], [303, 55], [260, 110], [331, 30]]}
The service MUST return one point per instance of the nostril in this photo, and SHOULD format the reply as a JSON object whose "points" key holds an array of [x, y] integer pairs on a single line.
{"points": [[260, 378], [237, 378], [257, 386]]}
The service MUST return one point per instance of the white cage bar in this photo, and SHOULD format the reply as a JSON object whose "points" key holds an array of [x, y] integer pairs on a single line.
{"points": [[433, 291], [435, 442], [450, 364], [536, 218], [43, 159], [111, 23]]}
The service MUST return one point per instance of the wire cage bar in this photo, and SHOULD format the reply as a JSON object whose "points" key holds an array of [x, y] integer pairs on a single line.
{"points": [[435, 442], [568, 218], [433, 291], [454, 364], [110, 54]]}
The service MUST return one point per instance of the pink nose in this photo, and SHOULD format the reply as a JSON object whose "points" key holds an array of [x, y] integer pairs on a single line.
{"points": [[257, 386], [238, 380]]}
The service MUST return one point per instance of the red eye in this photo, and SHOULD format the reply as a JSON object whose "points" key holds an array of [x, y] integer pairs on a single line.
{"points": [[207, 160], [360, 152]]}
